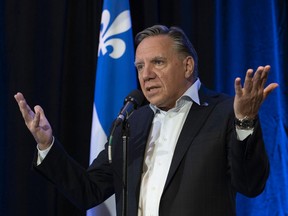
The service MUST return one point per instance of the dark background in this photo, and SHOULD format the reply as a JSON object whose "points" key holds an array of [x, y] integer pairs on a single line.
{"points": [[48, 51]]}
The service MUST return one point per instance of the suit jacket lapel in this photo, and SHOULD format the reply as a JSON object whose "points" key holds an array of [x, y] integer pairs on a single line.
{"points": [[194, 121]]}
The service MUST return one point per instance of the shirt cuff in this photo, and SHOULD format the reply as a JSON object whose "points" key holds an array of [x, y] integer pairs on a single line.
{"points": [[43, 153], [242, 134]]}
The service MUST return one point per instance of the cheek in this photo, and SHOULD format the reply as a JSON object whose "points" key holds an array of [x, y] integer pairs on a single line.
{"points": [[141, 81], [139, 77], [169, 82]]}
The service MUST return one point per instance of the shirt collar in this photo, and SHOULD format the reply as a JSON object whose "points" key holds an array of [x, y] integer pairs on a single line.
{"points": [[191, 94]]}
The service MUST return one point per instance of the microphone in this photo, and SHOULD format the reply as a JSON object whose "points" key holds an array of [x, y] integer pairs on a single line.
{"points": [[131, 103]]}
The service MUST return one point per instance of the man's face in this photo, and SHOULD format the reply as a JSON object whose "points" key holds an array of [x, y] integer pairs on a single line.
{"points": [[164, 75]]}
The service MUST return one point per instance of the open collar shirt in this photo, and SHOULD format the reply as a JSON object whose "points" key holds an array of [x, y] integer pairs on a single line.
{"points": [[164, 133]]}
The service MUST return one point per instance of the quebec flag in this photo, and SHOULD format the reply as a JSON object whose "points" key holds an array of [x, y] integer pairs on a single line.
{"points": [[115, 79]]}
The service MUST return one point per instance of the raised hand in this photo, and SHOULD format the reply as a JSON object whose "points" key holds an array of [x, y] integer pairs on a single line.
{"points": [[249, 98], [36, 122]]}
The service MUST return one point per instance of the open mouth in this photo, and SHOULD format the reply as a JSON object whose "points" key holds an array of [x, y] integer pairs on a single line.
{"points": [[152, 88]]}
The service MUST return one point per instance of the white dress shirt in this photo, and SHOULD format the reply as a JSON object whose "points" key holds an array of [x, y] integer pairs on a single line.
{"points": [[164, 133]]}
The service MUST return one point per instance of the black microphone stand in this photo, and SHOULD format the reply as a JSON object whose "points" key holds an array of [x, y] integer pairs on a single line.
{"points": [[125, 139]]}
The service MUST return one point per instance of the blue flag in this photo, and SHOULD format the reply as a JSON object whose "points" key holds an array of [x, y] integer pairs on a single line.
{"points": [[115, 79]]}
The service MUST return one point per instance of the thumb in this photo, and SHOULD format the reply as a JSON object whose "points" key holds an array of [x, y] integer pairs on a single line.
{"points": [[38, 109], [269, 89], [39, 114]]}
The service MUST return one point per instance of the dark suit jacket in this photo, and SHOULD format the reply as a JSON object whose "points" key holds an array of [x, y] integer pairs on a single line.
{"points": [[208, 168]]}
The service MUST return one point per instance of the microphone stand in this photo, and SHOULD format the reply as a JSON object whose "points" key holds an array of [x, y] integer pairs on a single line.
{"points": [[125, 139]]}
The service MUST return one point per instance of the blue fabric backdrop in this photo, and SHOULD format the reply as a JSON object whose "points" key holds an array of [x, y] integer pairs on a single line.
{"points": [[248, 34]]}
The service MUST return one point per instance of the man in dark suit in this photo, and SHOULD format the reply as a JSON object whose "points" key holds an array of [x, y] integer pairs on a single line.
{"points": [[190, 150]]}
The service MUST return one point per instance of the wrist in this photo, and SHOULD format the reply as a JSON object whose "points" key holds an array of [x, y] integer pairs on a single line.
{"points": [[245, 123], [42, 147]]}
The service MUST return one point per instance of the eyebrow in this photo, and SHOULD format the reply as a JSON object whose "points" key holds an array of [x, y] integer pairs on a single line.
{"points": [[158, 58], [138, 63], [153, 59]]}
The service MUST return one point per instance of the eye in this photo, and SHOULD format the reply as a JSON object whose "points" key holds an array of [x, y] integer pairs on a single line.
{"points": [[158, 62], [139, 67]]}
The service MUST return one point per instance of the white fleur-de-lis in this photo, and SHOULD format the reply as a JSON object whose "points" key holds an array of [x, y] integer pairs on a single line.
{"points": [[121, 24]]}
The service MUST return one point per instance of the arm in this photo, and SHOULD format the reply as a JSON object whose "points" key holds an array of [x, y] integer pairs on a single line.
{"points": [[248, 162], [84, 188], [248, 159]]}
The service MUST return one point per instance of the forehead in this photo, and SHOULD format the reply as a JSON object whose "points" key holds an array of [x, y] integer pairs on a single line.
{"points": [[160, 45]]}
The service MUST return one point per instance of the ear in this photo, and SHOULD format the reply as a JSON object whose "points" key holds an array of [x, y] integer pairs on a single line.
{"points": [[189, 66]]}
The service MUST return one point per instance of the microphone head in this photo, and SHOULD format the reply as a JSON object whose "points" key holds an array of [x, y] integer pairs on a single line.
{"points": [[136, 97]]}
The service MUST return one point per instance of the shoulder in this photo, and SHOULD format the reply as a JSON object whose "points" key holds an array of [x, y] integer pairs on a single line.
{"points": [[211, 96]]}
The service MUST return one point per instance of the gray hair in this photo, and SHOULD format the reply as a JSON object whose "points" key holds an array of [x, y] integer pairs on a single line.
{"points": [[181, 41]]}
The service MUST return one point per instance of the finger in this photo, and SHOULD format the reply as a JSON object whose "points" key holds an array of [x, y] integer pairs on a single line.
{"points": [[25, 110], [38, 109], [257, 78], [36, 120], [264, 76], [20, 100], [238, 87], [248, 83], [42, 121], [18, 97], [269, 89]]}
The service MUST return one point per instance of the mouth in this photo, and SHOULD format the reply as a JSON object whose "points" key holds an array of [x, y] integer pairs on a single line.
{"points": [[151, 88]]}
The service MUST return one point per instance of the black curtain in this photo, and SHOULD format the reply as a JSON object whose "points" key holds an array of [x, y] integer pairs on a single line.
{"points": [[49, 55], [48, 52]]}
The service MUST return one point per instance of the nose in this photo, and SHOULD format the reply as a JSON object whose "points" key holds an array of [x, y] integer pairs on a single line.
{"points": [[147, 73]]}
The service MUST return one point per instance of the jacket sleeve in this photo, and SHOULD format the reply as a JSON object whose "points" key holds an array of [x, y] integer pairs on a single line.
{"points": [[84, 188], [248, 162]]}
